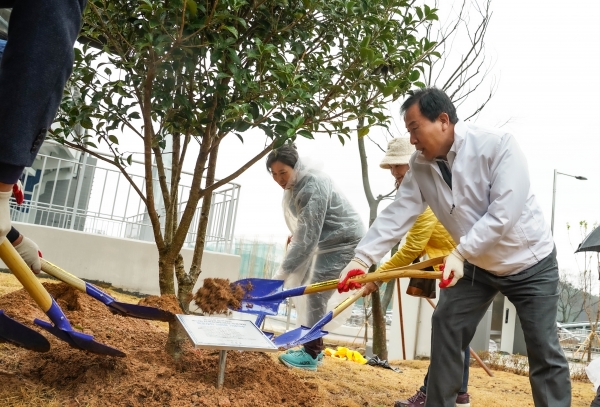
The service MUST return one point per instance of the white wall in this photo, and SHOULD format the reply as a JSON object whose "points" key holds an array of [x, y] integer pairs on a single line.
{"points": [[508, 326], [416, 313], [128, 264]]}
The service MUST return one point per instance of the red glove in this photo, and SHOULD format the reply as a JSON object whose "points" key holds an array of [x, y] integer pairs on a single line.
{"points": [[344, 286], [444, 283], [18, 192]]}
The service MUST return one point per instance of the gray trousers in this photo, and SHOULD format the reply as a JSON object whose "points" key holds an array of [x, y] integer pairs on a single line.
{"points": [[534, 294]]}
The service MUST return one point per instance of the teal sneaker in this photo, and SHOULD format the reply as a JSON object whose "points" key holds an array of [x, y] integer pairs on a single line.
{"points": [[299, 359], [320, 356]]}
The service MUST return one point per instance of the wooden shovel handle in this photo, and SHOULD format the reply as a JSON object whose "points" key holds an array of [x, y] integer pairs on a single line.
{"points": [[62, 275], [412, 271], [21, 270]]}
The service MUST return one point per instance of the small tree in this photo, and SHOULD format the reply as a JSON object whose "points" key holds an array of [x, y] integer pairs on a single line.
{"points": [[590, 291], [181, 71], [570, 299]]}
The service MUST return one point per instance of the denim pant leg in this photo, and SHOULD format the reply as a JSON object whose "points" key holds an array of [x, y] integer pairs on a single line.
{"points": [[465, 383], [454, 323], [37, 61]]}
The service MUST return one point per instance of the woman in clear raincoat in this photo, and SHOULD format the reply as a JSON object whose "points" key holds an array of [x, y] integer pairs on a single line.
{"points": [[325, 230]]}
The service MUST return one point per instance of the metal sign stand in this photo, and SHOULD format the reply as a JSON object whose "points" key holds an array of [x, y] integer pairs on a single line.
{"points": [[222, 363], [225, 334]]}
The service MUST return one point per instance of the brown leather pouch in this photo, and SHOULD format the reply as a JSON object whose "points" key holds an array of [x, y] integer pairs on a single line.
{"points": [[421, 287]]}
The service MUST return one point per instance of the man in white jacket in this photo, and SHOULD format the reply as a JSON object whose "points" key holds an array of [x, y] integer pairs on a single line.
{"points": [[476, 182]]}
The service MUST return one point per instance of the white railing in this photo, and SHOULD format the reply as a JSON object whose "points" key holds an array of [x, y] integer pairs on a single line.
{"points": [[82, 194]]}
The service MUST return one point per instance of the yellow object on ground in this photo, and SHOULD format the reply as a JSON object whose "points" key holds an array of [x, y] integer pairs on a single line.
{"points": [[345, 354]]}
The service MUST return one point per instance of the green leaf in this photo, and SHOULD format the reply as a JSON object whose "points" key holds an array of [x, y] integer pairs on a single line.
{"points": [[419, 12], [307, 134], [414, 75], [363, 131], [232, 30], [113, 139], [388, 90], [192, 7], [279, 142], [87, 123]]}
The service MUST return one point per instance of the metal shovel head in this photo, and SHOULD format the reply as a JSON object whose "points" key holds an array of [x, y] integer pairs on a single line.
{"points": [[260, 307], [79, 340], [140, 311], [256, 288], [128, 310], [21, 335], [298, 336], [259, 287]]}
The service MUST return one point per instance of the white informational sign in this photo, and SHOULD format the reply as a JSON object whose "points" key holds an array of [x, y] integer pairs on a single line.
{"points": [[225, 334]]}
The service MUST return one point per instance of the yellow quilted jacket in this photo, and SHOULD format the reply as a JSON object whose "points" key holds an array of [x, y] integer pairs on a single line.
{"points": [[427, 236]]}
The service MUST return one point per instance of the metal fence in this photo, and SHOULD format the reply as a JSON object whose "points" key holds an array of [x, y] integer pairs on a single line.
{"points": [[75, 191]]}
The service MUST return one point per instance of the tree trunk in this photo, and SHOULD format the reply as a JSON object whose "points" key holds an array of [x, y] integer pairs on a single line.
{"points": [[186, 281], [185, 285], [175, 340], [379, 334], [166, 267]]}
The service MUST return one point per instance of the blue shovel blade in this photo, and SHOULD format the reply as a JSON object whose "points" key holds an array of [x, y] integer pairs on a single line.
{"points": [[256, 288], [260, 307], [298, 336], [128, 310], [259, 287], [21, 335], [140, 311], [79, 340]]}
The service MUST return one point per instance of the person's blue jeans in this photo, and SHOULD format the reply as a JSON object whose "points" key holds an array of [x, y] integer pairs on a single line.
{"points": [[465, 382], [2, 45], [36, 63]]}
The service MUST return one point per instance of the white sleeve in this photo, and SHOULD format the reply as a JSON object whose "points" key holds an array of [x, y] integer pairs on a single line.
{"points": [[393, 222], [508, 196]]}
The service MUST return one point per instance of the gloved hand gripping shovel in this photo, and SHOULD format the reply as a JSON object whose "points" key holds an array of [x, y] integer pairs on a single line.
{"points": [[263, 296], [61, 328], [121, 308]]}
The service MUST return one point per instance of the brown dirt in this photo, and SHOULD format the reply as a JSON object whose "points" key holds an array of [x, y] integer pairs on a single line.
{"points": [[218, 296], [167, 302], [148, 376]]}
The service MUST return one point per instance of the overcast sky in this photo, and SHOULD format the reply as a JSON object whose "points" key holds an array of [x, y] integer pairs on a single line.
{"points": [[544, 64]]}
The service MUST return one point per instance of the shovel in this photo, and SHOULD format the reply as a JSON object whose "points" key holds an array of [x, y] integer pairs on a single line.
{"points": [[304, 334], [61, 328], [18, 334], [263, 296], [121, 308]]}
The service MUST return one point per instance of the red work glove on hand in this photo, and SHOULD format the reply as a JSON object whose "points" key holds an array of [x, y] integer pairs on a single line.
{"points": [[354, 268], [444, 283], [18, 192]]}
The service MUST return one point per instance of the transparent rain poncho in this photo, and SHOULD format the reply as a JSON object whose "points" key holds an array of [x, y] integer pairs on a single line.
{"points": [[325, 230]]}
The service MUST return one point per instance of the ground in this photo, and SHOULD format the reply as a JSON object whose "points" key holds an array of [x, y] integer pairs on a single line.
{"points": [[149, 377]]}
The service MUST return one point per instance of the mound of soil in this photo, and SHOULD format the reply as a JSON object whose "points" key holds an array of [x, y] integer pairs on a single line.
{"points": [[218, 296], [147, 376], [167, 302]]}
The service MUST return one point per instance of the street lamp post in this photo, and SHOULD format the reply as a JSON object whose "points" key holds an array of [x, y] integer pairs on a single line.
{"points": [[554, 194]]}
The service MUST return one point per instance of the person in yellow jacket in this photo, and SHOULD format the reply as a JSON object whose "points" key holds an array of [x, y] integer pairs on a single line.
{"points": [[426, 237]]}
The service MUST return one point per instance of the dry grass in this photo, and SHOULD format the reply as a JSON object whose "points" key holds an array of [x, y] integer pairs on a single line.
{"points": [[345, 384]]}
